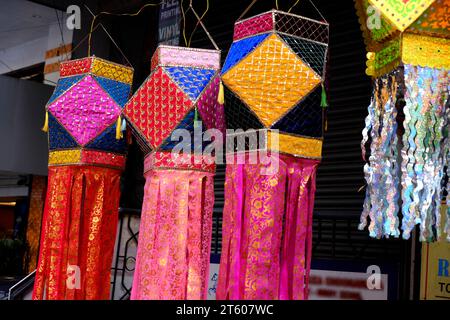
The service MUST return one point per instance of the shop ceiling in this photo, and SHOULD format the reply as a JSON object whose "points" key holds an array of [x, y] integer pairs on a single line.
{"points": [[23, 21]]}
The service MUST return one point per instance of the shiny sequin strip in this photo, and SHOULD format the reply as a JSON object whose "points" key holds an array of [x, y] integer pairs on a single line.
{"points": [[423, 157]]}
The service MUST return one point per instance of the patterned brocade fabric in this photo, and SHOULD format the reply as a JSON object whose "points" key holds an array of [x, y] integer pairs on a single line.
{"points": [[401, 13], [179, 96], [273, 78], [85, 106], [175, 236], [86, 158], [298, 146], [273, 81], [419, 33], [78, 233], [267, 231], [167, 161], [183, 82]]}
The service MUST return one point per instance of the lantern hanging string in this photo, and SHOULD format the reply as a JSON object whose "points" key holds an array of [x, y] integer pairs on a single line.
{"points": [[318, 11], [114, 14], [199, 22], [183, 14], [296, 2], [276, 6], [247, 9], [84, 39]]}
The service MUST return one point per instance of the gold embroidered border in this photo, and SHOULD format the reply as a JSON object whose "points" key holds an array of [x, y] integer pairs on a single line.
{"points": [[111, 70], [86, 157], [64, 157], [426, 51], [295, 145]]}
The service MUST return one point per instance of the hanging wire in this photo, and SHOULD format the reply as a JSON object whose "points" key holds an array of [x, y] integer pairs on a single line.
{"points": [[115, 14], [62, 37], [84, 39], [198, 22], [183, 13], [325, 20], [60, 30], [276, 4], [110, 37], [296, 2]]}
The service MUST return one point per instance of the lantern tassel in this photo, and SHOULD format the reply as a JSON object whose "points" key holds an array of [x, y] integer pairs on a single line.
{"points": [[119, 134], [195, 117], [45, 127], [324, 102], [220, 97]]}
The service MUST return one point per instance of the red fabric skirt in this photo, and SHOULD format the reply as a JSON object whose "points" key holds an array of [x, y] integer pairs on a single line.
{"points": [[78, 233]]}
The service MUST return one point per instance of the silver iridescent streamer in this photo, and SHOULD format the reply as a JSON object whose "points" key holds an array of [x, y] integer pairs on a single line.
{"points": [[424, 155]]}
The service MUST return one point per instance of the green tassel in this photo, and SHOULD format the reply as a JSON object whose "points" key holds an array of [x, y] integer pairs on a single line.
{"points": [[324, 102], [195, 117]]}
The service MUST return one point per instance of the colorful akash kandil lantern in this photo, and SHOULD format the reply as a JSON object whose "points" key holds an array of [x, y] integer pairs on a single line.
{"points": [[408, 44], [176, 222], [86, 158], [273, 78]]}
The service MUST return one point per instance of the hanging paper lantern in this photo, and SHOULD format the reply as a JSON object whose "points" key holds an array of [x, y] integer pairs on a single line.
{"points": [[87, 155], [409, 58], [175, 232], [273, 78]]}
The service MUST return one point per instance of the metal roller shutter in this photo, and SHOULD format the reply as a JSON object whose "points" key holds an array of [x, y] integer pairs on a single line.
{"points": [[338, 203]]}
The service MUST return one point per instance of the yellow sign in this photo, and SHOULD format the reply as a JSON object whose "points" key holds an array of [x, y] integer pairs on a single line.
{"points": [[435, 273]]}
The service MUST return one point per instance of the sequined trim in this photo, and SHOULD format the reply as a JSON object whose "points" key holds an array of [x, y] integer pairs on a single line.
{"points": [[167, 160]]}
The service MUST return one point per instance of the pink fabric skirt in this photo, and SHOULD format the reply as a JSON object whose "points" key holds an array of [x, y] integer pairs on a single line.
{"points": [[267, 231], [174, 236]]}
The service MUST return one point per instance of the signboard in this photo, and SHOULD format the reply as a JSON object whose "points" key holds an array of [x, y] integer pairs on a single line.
{"points": [[213, 277], [342, 285], [329, 285], [435, 271], [169, 23]]}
